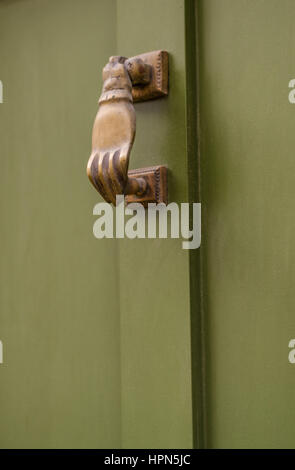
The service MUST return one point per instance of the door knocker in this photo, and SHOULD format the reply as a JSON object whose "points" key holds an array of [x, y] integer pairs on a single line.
{"points": [[126, 81]]}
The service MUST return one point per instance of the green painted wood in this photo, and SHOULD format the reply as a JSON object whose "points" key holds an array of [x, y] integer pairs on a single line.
{"points": [[59, 309], [155, 301], [100, 337], [247, 58]]}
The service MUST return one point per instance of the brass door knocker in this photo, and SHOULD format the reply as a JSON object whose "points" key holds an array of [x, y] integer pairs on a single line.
{"points": [[126, 80]]}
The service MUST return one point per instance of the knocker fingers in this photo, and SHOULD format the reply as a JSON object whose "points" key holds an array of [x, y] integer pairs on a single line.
{"points": [[107, 172]]}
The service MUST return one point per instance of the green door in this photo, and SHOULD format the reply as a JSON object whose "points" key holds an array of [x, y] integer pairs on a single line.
{"points": [[98, 349], [246, 62], [139, 343]]}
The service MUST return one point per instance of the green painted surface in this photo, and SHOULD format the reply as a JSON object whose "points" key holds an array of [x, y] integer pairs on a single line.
{"points": [[247, 58], [96, 333], [59, 310], [154, 274]]}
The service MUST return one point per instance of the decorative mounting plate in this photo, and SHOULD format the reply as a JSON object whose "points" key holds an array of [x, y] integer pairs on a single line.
{"points": [[156, 178], [159, 77]]}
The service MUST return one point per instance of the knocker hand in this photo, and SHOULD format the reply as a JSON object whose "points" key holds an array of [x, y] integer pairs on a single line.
{"points": [[113, 132]]}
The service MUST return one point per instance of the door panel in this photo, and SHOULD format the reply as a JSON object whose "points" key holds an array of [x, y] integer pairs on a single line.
{"points": [[59, 309], [247, 152], [154, 274], [96, 333]]}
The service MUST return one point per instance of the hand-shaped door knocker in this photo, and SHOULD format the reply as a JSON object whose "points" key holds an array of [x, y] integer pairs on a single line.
{"points": [[124, 80]]}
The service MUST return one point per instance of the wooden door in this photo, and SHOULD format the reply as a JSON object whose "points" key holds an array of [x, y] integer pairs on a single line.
{"points": [[246, 62], [98, 349]]}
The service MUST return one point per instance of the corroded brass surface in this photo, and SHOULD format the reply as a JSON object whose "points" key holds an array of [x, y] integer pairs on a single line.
{"points": [[156, 180], [115, 123], [157, 86]]}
